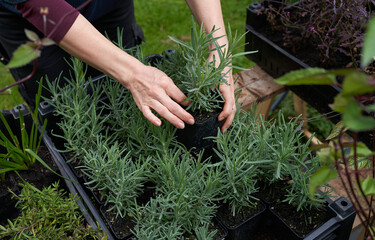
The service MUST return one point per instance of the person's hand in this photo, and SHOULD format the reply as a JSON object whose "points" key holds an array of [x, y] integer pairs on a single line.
{"points": [[227, 90], [152, 89], [229, 110]]}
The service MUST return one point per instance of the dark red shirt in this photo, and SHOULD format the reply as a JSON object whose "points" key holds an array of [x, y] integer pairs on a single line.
{"points": [[55, 17], [52, 17]]}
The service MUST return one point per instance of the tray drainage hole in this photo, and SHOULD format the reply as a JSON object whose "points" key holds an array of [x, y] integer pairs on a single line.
{"points": [[256, 5], [344, 203], [44, 104]]}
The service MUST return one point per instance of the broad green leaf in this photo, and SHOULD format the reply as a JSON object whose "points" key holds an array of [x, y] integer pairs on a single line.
{"points": [[326, 156], [340, 103], [355, 121], [370, 108], [32, 36], [320, 177], [356, 83], [362, 150], [368, 50], [307, 76], [3, 70], [368, 186], [336, 130], [23, 55]]}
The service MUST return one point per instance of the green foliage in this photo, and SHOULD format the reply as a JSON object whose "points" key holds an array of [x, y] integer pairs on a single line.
{"points": [[48, 214], [155, 220], [23, 55], [82, 122], [113, 172], [18, 155], [368, 45], [368, 186], [305, 77], [194, 184], [192, 71], [238, 172], [254, 149]]}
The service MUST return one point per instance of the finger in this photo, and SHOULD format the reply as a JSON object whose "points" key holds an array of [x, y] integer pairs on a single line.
{"points": [[147, 113], [228, 122], [168, 115], [176, 94], [177, 111], [228, 113]]}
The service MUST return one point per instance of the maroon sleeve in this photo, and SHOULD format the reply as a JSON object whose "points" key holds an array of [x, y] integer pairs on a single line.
{"points": [[54, 11]]}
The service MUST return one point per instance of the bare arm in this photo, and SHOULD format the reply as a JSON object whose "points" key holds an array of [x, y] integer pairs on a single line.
{"points": [[151, 88], [209, 12]]}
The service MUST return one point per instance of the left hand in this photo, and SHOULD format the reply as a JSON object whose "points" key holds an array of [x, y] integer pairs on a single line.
{"points": [[229, 110], [227, 90]]}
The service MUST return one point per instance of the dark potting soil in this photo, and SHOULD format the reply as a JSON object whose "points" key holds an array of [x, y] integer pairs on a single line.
{"points": [[121, 227], [225, 214], [37, 175], [301, 222], [270, 193], [200, 117], [305, 50]]}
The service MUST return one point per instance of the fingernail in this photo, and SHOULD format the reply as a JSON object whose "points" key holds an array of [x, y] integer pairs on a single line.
{"points": [[181, 126], [191, 121], [221, 119], [158, 123]]}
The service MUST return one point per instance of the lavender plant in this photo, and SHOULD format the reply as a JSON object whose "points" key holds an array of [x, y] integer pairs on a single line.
{"points": [[192, 182], [238, 172], [194, 74], [80, 111], [112, 171]]}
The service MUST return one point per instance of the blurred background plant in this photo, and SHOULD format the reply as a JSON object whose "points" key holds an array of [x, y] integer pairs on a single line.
{"points": [[336, 28]]}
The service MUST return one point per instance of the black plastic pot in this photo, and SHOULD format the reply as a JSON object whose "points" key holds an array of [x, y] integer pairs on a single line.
{"points": [[268, 225], [277, 62], [246, 229], [340, 218], [198, 135]]}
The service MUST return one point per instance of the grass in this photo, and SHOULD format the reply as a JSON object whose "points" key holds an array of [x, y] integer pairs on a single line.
{"points": [[159, 19]]}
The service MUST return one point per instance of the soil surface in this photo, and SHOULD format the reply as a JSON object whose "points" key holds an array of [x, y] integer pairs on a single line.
{"points": [[270, 193], [120, 226], [224, 213], [302, 222]]}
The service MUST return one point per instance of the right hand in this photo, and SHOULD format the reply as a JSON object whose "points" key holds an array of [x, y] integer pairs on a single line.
{"points": [[152, 89]]}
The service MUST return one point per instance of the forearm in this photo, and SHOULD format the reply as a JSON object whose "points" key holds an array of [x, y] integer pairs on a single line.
{"points": [[88, 44], [209, 13]]}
